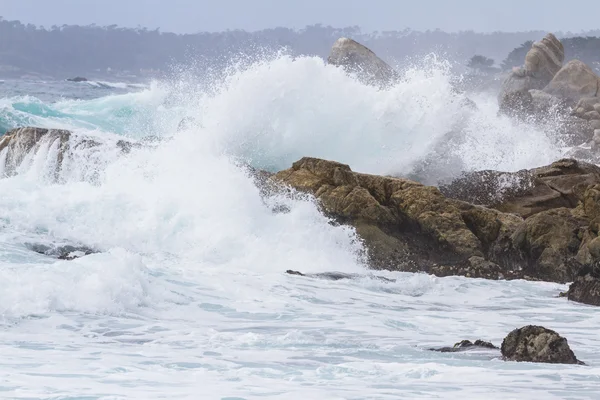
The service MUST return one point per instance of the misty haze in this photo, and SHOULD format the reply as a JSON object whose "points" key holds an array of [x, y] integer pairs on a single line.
{"points": [[299, 200]]}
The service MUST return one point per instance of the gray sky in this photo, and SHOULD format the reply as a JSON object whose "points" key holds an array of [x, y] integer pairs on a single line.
{"points": [[216, 15]]}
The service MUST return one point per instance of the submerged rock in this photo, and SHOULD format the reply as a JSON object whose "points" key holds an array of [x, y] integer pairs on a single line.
{"points": [[337, 276], [466, 345], [586, 287], [537, 344], [64, 252], [358, 59], [77, 79]]}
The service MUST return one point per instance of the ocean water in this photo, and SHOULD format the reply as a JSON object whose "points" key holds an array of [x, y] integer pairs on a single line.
{"points": [[187, 297]]}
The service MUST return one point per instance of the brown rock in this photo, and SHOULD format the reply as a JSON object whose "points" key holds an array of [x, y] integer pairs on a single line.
{"points": [[591, 115], [537, 344]]}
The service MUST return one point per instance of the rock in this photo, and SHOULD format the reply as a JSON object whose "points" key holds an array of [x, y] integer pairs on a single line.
{"points": [[16, 144], [591, 115], [517, 104], [574, 81], [77, 79], [526, 192], [358, 59], [336, 276], [542, 62], [545, 104], [586, 104], [586, 287], [407, 226], [545, 58], [19, 142], [466, 345], [537, 344], [550, 240], [64, 252]]}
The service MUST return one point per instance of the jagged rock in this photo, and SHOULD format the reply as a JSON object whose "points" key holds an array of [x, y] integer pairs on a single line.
{"points": [[550, 240], [410, 227], [517, 104], [465, 345], [64, 252], [542, 62], [337, 276], [574, 81], [546, 104], [526, 192], [545, 58], [19, 142], [358, 59], [586, 287], [537, 344], [16, 144]]}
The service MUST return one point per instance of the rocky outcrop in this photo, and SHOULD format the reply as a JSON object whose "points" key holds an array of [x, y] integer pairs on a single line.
{"points": [[62, 252], [586, 287], [467, 345], [410, 227], [574, 81], [526, 192], [542, 62], [17, 144], [358, 59], [537, 344]]}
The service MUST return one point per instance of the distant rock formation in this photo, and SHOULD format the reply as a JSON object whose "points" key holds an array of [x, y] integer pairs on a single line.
{"points": [[338, 276], [574, 82], [358, 59], [537, 344], [542, 62], [77, 79]]}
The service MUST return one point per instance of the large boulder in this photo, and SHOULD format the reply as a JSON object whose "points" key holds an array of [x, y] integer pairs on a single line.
{"points": [[586, 287], [574, 81], [537, 344], [358, 59], [526, 192], [542, 62]]}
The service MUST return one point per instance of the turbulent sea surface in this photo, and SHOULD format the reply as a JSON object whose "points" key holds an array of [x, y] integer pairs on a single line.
{"points": [[188, 299]]}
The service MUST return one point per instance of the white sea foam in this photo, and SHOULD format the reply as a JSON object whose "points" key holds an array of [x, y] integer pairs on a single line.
{"points": [[188, 297]]}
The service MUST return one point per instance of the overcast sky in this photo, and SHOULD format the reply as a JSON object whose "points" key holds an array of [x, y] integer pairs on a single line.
{"points": [[216, 15]]}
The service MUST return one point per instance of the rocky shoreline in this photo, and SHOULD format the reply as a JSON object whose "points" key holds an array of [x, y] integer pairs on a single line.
{"points": [[541, 224]]}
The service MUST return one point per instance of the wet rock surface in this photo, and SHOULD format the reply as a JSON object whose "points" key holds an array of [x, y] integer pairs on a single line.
{"points": [[586, 287], [62, 252], [466, 345], [537, 344]]}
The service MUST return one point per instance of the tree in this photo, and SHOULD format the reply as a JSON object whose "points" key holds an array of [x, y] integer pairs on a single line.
{"points": [[480, 62]]}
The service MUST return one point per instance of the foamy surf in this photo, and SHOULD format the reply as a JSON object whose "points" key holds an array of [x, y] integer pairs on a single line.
{"points": [[187, 296]]}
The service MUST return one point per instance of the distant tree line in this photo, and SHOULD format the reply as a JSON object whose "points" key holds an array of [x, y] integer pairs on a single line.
{"points": [[70, 50]]}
